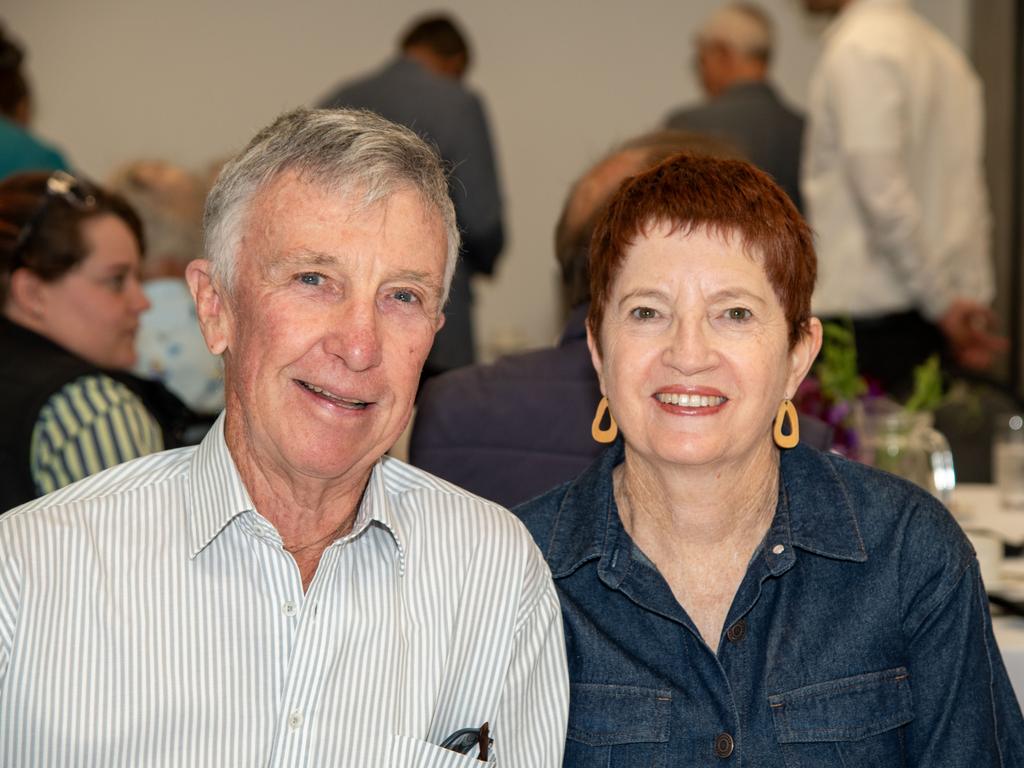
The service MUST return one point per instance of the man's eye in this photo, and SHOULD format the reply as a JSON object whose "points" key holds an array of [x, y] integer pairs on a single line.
{"points": [[408, 297], [644, 313], [738, 313], [311, 278]]}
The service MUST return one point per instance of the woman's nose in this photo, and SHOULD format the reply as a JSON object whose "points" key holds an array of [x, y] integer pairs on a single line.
{"points": [[138, 300], [690, 348]]}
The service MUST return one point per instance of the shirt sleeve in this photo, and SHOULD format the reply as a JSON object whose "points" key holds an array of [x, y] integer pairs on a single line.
{"points": [[91, 424], [533, 713], [965, 710]]}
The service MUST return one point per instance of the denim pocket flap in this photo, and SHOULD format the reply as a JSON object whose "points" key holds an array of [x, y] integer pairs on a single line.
{"points": [[846, 709], [603, 715]]}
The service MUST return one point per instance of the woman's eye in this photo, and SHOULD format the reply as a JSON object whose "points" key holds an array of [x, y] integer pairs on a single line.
{"points": [[644, 313], [117, 283], [738, 313], [311, 278]]}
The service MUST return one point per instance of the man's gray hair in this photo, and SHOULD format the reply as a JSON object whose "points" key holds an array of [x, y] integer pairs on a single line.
{"points": [[343, 150], [742, 26]]}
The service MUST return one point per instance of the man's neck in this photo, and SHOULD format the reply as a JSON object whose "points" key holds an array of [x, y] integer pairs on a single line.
{"points": [[308, 513]]}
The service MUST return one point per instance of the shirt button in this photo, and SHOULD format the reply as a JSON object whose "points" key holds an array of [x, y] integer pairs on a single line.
{"points": [[737, 631], [295, 719], [724, 745], [288, 608], [778, 549]]}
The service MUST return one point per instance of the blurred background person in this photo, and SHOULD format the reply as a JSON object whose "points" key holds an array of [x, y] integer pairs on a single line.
{"points": [[70, 256], [20, 149], [422, 88], [171, 349], [733, 54], [511, 430], [894, 187], [729, 593]]}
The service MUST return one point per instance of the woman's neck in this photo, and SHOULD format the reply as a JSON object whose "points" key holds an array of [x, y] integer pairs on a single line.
{"points": [[705, 507]]}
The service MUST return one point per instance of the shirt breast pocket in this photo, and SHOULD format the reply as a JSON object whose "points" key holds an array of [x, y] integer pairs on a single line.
{"points": [[615, 726], [856, 720]]}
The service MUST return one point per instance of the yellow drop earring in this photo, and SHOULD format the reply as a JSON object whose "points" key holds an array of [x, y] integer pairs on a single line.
{"points": [[786, 410], [604, 435]]}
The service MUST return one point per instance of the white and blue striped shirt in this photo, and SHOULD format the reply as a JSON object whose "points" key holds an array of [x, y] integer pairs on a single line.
{"points": [[150, 616]]}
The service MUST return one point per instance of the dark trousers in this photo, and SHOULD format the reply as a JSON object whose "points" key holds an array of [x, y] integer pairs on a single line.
{"points": [[891, 346]]}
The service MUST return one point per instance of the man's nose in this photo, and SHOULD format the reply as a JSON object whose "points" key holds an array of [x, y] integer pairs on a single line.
{"points": [[355, 335]]}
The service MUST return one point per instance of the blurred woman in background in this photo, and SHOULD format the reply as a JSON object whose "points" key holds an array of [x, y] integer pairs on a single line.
{"points": [[71, 297]]}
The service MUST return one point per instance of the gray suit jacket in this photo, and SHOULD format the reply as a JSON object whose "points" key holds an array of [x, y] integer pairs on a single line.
{"points": [[753, 118]]}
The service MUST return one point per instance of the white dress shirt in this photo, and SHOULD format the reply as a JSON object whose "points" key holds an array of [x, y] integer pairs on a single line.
{"points": [[893, 181], [150, 616]]}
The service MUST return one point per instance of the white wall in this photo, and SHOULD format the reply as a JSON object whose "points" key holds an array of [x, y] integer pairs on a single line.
{"points": [[192, 80]]}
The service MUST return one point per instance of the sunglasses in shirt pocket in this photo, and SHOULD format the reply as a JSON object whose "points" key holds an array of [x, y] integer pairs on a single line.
{"points": [[858, 720], [410, 752], [617, 725]]}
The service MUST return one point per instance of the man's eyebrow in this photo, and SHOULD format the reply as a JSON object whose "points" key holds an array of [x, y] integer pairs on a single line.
{"points": [[416, 277], [307, 258]]}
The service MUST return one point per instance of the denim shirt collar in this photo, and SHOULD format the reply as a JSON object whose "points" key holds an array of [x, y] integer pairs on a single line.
{"points": [[813, 514]]}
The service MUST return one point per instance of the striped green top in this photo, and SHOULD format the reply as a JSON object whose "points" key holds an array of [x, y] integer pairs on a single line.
{"points": [[93, 423]]}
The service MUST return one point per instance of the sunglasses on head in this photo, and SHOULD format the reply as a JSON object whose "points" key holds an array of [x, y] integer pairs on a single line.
{"points": [[59, 186]]}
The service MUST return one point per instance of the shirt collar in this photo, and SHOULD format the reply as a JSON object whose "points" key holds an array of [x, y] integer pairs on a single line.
{"points": [[218, 496], [813, 514]]}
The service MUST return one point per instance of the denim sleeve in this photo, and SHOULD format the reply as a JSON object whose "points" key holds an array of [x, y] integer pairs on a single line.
{"points": [[965, 711]]}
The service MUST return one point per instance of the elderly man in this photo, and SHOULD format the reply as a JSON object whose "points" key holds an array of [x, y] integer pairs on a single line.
{"points": [[734, 52], [283, 594]]}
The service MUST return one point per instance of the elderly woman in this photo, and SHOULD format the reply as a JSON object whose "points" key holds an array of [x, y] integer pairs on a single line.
{"points": [[69, 285], [727, 593]]}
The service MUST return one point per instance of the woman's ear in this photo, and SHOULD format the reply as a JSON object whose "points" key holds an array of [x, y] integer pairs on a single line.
{"points": [[211, 305], [595, 358], [26, 295], [803, 354]]}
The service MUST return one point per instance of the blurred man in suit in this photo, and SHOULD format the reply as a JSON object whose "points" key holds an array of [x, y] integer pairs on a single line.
{"points": [[734, 51], [422, 89]]}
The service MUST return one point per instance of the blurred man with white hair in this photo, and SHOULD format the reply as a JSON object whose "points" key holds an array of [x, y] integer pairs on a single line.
{"points": [[734, 51]]}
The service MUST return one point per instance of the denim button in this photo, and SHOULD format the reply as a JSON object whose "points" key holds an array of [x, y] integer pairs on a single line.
{"points": [[737, 631], [723, 745]]}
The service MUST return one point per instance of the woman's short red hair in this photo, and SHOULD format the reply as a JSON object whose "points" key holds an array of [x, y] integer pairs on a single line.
{"points": [[728, 198]]}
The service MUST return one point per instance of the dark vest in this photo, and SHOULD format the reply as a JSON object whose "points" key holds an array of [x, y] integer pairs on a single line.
{"points": [[32, 370]]}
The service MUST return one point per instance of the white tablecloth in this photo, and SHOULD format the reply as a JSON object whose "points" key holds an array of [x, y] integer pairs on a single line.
{"points": [[977, 508]]}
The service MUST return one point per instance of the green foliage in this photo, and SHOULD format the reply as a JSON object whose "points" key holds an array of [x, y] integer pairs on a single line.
{"points": [[927, 395], [836, 368]]}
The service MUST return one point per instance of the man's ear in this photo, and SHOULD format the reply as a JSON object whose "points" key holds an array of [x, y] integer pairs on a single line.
{"points": [[211, 305], [595, 358]]}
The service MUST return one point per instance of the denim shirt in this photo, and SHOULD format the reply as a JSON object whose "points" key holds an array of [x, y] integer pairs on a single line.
{"points": [[859, 636]]}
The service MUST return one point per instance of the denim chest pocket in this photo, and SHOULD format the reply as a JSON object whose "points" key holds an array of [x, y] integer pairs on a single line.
{"points": [[855, 720], [617, 726]]}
